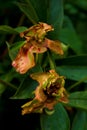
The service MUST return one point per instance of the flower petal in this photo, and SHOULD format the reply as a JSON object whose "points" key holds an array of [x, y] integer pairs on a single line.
{"points": [[37, 47], [54, 46], [24, 60], [37, 31]]}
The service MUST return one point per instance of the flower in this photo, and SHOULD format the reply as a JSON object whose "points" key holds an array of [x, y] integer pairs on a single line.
{"points": [[35, 42], [24, 60], [37, 32], [49, 92]]}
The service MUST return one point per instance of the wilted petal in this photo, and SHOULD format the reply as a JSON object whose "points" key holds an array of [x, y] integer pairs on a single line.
{"points": [[37, 47], [37, 32], [54, 46], [49, 92], [43, 77], [24, 60]]}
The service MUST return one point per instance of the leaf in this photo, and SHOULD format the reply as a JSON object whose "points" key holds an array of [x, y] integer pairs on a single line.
{"points": [[27, 85], [6, 78], [80, 121], [27, 8], [81, 4], [7, 29], [73, 72], [25, 89], [73, 60], [59, 120], [13, 49], [20, 29], [41, 9], [78, 100], [55, 16], [69, 36]]}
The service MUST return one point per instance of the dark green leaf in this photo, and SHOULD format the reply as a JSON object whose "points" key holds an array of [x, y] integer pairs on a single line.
{"points": [[73, 72], [73, 61], [7, 30], [13, 49], [78, 100], [4, 79], [25, 89], [40, 7], [80, 121], [20, 29], [27, 8], [59, 120], [69, 36], [55, 16]]}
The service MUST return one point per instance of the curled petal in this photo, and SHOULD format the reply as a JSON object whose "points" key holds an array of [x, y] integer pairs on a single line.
{"points": [[43, 77], [54, 46], [37, 47], [37, 31], [39, 94], [24, 60]]}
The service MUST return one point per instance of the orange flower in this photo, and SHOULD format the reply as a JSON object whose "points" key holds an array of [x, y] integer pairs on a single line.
{"points": [[35, 43], [37, 32], [24, 60], [49, 92]]}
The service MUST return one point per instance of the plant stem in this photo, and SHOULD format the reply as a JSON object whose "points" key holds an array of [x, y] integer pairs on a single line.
{"points": [[8, 84], [77, 83], [51, 62]]}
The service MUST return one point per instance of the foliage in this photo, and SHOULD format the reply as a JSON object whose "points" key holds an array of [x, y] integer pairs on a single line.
{"points": [[62, 48]]}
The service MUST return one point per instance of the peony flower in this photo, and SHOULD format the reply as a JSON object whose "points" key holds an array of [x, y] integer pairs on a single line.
{"points": [[35, 43], [37, 32], [49, 92]]}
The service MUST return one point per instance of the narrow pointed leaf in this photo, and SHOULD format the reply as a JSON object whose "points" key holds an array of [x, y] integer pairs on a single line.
{"points": [[27, 8], [40, 7], [25, 89], [76, 73], [55, 16], [7, 30]]}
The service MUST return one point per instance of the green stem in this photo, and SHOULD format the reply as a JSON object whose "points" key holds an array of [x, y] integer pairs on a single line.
{"points": [[36, 57], [8, 84], [51, 62], [77, 83]]}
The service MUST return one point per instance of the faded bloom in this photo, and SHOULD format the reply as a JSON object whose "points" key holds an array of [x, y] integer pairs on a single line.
{"points": [[37, 32], [24, 60], [49, 92], [35, 42]]}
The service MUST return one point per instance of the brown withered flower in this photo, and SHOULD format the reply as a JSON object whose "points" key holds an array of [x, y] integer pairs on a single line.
{"points": [[37, 32], [49, 92], [35, 42]]}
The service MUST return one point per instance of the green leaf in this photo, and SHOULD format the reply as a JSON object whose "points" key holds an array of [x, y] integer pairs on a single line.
{"points": [[55, 16], [5, 79], [7, 30], [25, 89], [13, 49], [80, 121], [73, 60], [69, 36], [27, 8], [81, 4], [59, 120], [78, 100], [76, 73], [20, 29], [41, 9]]}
